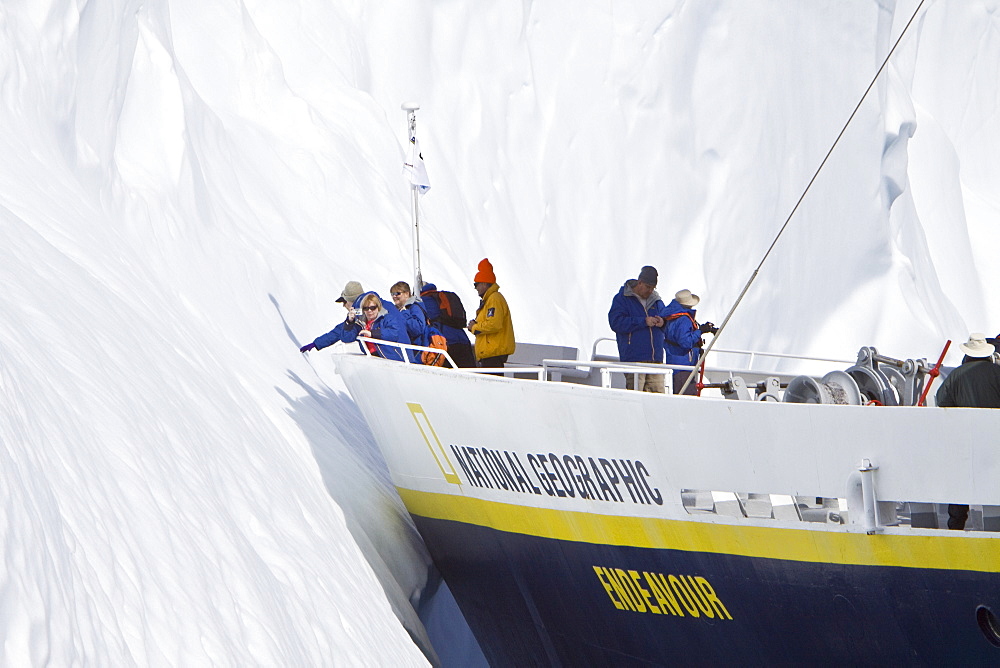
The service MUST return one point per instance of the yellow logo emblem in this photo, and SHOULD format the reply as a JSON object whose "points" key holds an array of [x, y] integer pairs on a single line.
{"points": [[434, 443]]}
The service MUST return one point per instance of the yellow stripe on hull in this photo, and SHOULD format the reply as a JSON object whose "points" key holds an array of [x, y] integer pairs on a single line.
{"points": [[961, 551]]}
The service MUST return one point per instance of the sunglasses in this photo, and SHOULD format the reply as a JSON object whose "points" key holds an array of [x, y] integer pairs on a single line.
{"points": [[396, 294], [370, 308]]}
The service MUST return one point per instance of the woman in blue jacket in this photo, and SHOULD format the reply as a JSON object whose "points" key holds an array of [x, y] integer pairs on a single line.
{"points": [[378, 321], [414, 317]]}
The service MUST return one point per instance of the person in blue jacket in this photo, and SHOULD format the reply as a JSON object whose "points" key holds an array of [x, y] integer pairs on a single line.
{"points": [[637, 317], [378, 320], [414, 316], [348, 297], [451, 325], [683, 337]]}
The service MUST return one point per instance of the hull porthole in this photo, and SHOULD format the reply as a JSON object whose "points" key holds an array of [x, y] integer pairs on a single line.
{"points": [[989, 625]]}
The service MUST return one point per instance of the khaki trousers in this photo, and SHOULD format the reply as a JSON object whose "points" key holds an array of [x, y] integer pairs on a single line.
{"points": [[648, 382]]}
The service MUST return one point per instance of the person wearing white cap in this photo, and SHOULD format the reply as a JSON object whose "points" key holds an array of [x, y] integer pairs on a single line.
{"points": [[348, 296], [974, 384]]}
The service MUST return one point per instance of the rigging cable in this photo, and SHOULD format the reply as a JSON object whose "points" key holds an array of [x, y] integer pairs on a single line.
{"points": [[753, 276]]}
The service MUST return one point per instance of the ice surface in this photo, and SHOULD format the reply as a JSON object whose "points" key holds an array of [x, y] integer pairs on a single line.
{"points": [[186, 186]]}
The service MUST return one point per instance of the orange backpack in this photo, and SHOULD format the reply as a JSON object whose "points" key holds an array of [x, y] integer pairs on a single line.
{"points": [[434, 340]]}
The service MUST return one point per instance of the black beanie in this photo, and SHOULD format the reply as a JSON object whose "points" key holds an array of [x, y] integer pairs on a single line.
{"points": [[648, 275]]}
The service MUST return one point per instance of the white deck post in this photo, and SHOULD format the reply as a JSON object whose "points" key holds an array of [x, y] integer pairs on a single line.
{"points": [[867, 470]]}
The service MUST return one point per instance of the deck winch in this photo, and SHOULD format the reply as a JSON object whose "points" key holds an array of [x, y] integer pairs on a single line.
{"points": [[873, 379]]}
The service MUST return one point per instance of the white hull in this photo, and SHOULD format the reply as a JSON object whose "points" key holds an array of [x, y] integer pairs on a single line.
{"points": [[708, 485]]}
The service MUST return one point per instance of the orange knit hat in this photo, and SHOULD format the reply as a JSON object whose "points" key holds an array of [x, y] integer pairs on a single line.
{"points": [[485, 273]]}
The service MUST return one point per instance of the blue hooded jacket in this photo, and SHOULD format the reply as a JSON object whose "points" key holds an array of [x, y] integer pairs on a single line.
{"points": [[388, 326], [637, 342], [415, 321], [415, 318], [337, 333], [682, 336]]}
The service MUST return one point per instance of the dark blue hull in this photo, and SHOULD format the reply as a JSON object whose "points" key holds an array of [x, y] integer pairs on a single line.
{"points": [[534, 600]]}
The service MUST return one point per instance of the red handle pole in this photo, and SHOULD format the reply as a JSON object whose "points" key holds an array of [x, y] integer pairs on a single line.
{"points": [[934, 373], [701, 379]]}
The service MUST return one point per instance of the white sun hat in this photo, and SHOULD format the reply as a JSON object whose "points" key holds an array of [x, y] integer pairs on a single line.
{"points": [[686, 298], [977, 346]]}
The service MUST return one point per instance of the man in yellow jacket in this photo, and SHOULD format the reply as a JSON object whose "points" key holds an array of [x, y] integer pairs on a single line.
{"points": [[492, 327]]}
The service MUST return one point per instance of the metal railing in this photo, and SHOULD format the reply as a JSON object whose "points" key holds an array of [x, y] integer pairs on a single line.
{"points": [[343, 345], [401, 346], [609, 368], [558, 367], [751, 355]]}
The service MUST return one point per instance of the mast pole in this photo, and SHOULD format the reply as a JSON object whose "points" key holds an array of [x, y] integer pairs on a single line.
{"points": [[411, 123]]}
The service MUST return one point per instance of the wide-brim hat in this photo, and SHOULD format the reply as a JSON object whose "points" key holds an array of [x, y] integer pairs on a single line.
{"points": [[687, 298], [977, 346], [351, 292]]}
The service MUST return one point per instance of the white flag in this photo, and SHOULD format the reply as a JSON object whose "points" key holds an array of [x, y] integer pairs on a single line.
{"points": [[415, 169]]}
